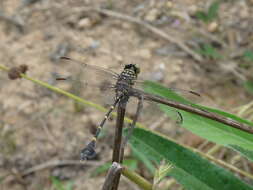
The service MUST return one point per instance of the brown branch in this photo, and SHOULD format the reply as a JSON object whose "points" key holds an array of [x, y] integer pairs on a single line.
{"points": [[112, 175], [54, 163], [225, 120], [118, 150]]}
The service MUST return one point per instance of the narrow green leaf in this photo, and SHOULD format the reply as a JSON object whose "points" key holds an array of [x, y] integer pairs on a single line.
{"points": [[211, 13], [142, 157], [57, 183], [189, 169], [247, 153], [190, 182], [202, 16], [204, 127], [248, 85], [213, 10], [248, 56], [209, 51]]}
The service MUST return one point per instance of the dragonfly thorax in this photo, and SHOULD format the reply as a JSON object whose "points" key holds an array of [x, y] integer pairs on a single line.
{"points": [[129, 74], [126, 80]]}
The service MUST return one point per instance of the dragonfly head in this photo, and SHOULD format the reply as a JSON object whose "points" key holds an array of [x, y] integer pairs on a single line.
{"points": [[133, 67]]}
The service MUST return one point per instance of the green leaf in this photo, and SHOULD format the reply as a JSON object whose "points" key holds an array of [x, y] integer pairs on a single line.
{"points": [[248, 85], [209, 51], [190, 182], [202, 16], [101, 169], [131, 164], [189, 169], [142, 157], [248, 56], [209, 129], [57, 183], [247, 153], [162, 171], [211, 14], [213, 10]]}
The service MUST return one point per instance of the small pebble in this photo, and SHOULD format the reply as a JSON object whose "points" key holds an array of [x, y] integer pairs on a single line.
{"points": [[212, 27], [84, 23], [169, 4], [152, 15]]}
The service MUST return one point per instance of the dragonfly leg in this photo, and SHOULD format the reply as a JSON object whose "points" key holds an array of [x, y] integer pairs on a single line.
{"points": [[89, 151], [180, 121], [137, 115]]}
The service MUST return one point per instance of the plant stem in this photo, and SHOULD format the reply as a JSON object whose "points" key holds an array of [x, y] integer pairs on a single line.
{"points": [[118, 152], [72, 96], [137, 179]]}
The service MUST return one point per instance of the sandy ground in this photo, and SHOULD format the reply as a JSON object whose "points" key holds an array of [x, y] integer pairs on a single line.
{"points": [[38, 126]]}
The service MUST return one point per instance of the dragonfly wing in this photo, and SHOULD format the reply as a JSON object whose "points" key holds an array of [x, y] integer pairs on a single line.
{"points": [[153, 110], [175, 93], [84, 80], [94, 68]]}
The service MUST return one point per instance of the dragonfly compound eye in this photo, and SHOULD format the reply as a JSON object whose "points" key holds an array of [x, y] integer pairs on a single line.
{"points": [[137, 69], [133, 67]]}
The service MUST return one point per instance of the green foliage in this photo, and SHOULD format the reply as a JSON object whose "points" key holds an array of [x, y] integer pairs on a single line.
{"points": [[101, 169], [189, 169], [247, 153], [131, 164], [208, 51], [248, 85], [59, 185], [209, 129], [144, 159], [211, 13], [248, 56], [162, 171]]}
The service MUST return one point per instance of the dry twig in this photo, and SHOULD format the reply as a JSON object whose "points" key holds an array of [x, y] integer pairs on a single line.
{"points": [[54, 163], [112, 174]]}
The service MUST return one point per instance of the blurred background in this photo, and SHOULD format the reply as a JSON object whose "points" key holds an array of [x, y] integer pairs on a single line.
{"points": [[196, 45]]}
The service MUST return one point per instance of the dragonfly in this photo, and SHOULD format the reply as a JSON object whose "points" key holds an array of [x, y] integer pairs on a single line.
{"points": [[123, 85]]}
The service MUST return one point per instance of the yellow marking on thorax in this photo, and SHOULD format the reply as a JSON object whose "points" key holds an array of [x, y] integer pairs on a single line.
{"points": [[94, 139]]}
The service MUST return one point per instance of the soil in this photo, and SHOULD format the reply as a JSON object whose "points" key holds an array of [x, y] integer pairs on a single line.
{"points": [[38, 126]]}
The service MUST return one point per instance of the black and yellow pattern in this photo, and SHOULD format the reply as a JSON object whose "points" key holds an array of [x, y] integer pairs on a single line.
{"points": [[123, 84]]}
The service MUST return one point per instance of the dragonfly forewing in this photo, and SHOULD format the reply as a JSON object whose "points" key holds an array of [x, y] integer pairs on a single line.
{"points": [[87, 81]]}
